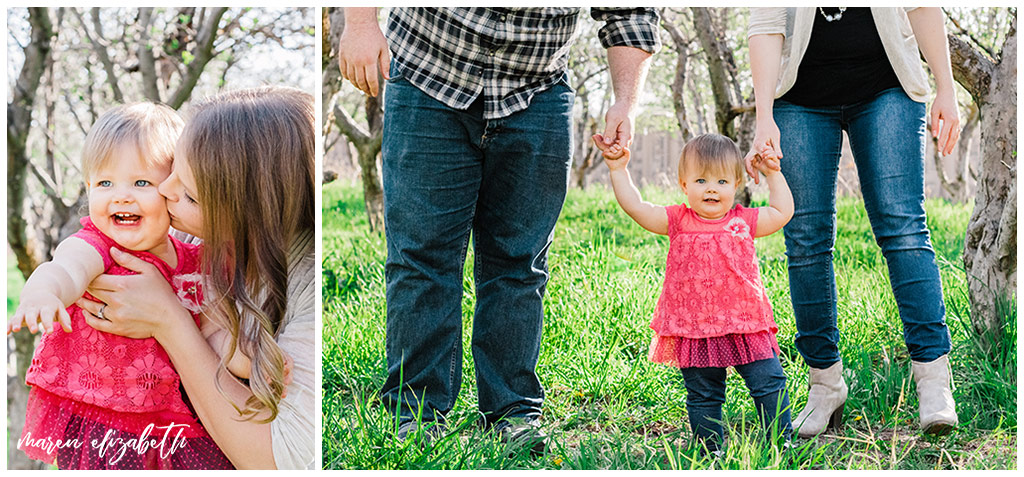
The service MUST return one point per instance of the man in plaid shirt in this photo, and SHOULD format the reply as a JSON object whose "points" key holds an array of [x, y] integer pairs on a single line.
{"points": [[477, 139]]}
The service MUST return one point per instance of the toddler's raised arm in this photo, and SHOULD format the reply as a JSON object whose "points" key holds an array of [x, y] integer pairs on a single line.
{"points": [[780, 199], [55, 285], [651, 217]]}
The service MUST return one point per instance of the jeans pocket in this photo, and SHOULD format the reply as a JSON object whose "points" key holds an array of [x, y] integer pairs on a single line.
{"points": [[564, 82], [394, 72]]}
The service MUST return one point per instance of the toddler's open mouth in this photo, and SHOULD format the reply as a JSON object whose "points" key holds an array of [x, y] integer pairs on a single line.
{"points": [[124, 218]]}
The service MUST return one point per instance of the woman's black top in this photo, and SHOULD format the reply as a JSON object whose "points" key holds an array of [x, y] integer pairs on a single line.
{"points": [[845, 61]]}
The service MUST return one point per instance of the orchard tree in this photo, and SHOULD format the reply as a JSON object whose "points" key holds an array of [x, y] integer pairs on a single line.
{"points": [[990, 248], [367, 138]]}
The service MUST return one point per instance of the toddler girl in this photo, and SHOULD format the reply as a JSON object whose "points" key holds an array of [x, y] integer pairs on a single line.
{"points": [[100, 401], [713, 311]]}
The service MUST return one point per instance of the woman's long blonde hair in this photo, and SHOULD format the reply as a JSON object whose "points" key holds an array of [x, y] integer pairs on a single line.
{"points": [[251, 152]]}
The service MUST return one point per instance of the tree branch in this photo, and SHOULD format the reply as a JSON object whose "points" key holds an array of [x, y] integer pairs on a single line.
{"points": [[348, 126], [147, 61], [963, 31], [99, 46], [971, 69], [203, 54]]}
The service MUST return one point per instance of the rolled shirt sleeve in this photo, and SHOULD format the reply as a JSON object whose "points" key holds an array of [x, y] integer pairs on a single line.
{"points": [[635, 27], [767, 21]]}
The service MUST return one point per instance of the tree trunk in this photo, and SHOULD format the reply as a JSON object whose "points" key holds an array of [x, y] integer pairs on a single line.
{"points": [[19, 121], [721, 69], [682, 47], [366, 140], [990, 247], [725, 86]]}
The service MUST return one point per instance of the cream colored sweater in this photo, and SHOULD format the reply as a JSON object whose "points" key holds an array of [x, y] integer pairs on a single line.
{"points": [[294, 431], [795, 24]]}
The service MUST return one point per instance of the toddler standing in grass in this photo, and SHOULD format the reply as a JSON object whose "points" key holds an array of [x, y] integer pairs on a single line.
{"points": [[713, 311]]}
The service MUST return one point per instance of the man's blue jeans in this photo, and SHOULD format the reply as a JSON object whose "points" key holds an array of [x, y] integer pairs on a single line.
{"points": [[446, 174], [887, 136], [705, 395]]}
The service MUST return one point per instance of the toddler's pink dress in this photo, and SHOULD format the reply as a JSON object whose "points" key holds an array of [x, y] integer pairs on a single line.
{"points": [[102, 401], [713, 310]]}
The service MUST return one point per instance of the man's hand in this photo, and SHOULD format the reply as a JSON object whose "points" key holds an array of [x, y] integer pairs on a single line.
{"points": [[618, 127], [615, 156], [363, 54]]}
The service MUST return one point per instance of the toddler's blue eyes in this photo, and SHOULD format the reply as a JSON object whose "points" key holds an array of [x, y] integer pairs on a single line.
{"points": [[700, 181], [141, 183], [722, 181], [103, 183]]}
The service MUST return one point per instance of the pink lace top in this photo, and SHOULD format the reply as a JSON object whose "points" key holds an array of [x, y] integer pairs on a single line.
{"points": [[87, 382], [713, 309]]}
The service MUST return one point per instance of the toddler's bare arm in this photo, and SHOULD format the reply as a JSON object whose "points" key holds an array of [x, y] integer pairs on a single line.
{"points": [[55, 285], [780, 199], [651, 217]]}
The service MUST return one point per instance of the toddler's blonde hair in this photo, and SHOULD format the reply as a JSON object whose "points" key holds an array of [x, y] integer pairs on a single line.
{"points": [[712, 153], [153, 129]]}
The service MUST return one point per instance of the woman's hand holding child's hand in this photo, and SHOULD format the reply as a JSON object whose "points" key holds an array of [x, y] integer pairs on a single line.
{"points": [[765, 160], [42, 309], [615, 156], [766, 163], [758, 154]]}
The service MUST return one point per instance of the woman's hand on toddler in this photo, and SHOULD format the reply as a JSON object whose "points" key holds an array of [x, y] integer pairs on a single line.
{"points": [[38, 312], [615, 156]]}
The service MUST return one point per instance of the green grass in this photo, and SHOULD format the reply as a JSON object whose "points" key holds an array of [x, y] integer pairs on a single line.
{"points": [[606, 406], [14, 283]]}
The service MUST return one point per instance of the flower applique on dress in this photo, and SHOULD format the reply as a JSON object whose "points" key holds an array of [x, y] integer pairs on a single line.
{"points": [[738, 228], [190, 291]]}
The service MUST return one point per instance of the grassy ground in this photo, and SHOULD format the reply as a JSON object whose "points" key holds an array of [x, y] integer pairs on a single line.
{"points": [[608, 407]]}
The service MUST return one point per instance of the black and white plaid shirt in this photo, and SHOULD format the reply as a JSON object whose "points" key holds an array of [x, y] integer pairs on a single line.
{"points": [[507, 54]]}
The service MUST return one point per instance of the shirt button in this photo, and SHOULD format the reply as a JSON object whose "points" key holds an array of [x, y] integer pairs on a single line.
{"points": [[503, 18]]}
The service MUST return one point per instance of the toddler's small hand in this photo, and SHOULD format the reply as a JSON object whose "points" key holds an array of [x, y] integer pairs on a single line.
{"points": [[39, 314], [765, 161], [615, 156]]}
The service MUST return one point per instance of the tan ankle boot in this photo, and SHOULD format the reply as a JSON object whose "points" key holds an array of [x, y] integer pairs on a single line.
{"points": [[935, 400], [825, 400]]}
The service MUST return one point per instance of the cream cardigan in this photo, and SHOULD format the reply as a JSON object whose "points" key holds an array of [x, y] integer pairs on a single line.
{"points": [[293, 434], [795, 24]]}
